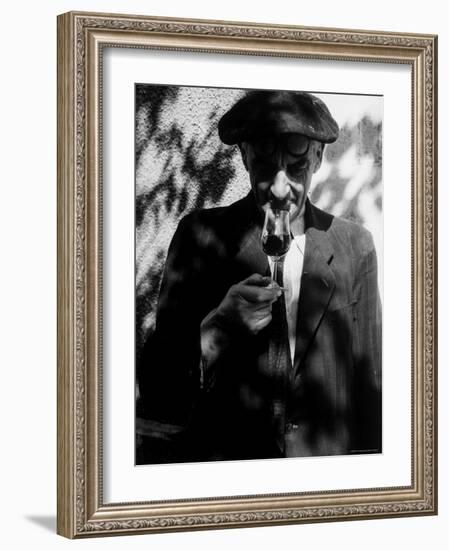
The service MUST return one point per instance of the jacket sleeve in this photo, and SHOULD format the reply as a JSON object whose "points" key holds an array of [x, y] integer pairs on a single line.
{"points": [[368, 355], [169, 369]]}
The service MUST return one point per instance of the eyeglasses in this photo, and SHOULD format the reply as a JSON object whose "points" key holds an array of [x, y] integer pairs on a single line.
{"points": [[296, 145]]}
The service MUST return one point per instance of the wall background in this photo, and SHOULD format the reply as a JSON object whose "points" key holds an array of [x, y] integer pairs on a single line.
{"points": [[28, 273]]}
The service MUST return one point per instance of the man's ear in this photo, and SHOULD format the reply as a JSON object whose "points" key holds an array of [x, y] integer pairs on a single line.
{"points": [[318, 156], [244, 153]]}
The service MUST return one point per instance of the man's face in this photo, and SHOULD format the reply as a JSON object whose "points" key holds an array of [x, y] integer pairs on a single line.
{"points": [[280, 170]]}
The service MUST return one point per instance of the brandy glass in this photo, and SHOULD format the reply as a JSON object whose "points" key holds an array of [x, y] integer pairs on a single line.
{"points": [[276, 237]]}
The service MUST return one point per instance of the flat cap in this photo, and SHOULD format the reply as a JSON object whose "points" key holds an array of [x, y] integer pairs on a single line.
{"points": [[263, 112]]}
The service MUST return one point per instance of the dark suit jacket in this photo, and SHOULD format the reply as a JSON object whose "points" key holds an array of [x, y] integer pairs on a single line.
{"points": [[332, 393]]}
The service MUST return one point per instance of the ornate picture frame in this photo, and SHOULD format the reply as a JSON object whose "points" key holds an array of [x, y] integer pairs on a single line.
{"points": [[82, 509]]}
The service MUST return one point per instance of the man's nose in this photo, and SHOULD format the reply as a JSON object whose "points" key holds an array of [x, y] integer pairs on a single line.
{"points": [[280, 188]]}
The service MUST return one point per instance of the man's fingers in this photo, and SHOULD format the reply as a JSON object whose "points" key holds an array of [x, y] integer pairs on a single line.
{"points": [[259, 289], [257, 294], [262, 323], [256, 279], [262, 307]]}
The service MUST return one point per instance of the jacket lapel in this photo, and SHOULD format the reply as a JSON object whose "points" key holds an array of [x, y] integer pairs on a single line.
{"points": [[317, 283]]}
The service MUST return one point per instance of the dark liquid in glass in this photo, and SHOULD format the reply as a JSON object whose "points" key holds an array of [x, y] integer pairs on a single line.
{"points": [[276, 245]]}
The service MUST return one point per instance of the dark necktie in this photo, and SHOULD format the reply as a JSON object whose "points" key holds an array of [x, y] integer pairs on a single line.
{"points": [[279, 361]]}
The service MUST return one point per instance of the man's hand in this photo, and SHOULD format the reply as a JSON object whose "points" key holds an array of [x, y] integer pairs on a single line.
{"points": [[246, 309], [247, 305]]}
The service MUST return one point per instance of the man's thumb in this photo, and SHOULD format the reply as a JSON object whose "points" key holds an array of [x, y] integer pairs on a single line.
{"points": [[257, 279]]}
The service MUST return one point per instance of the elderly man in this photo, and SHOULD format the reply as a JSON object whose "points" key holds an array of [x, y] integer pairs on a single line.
{"points": [[239, 366]]}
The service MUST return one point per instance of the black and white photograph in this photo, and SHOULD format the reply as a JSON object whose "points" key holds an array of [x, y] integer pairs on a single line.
{"points": [[258, 272]]}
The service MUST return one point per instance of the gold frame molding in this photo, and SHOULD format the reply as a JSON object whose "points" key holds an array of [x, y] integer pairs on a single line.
{"points": [[81, 37]]}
